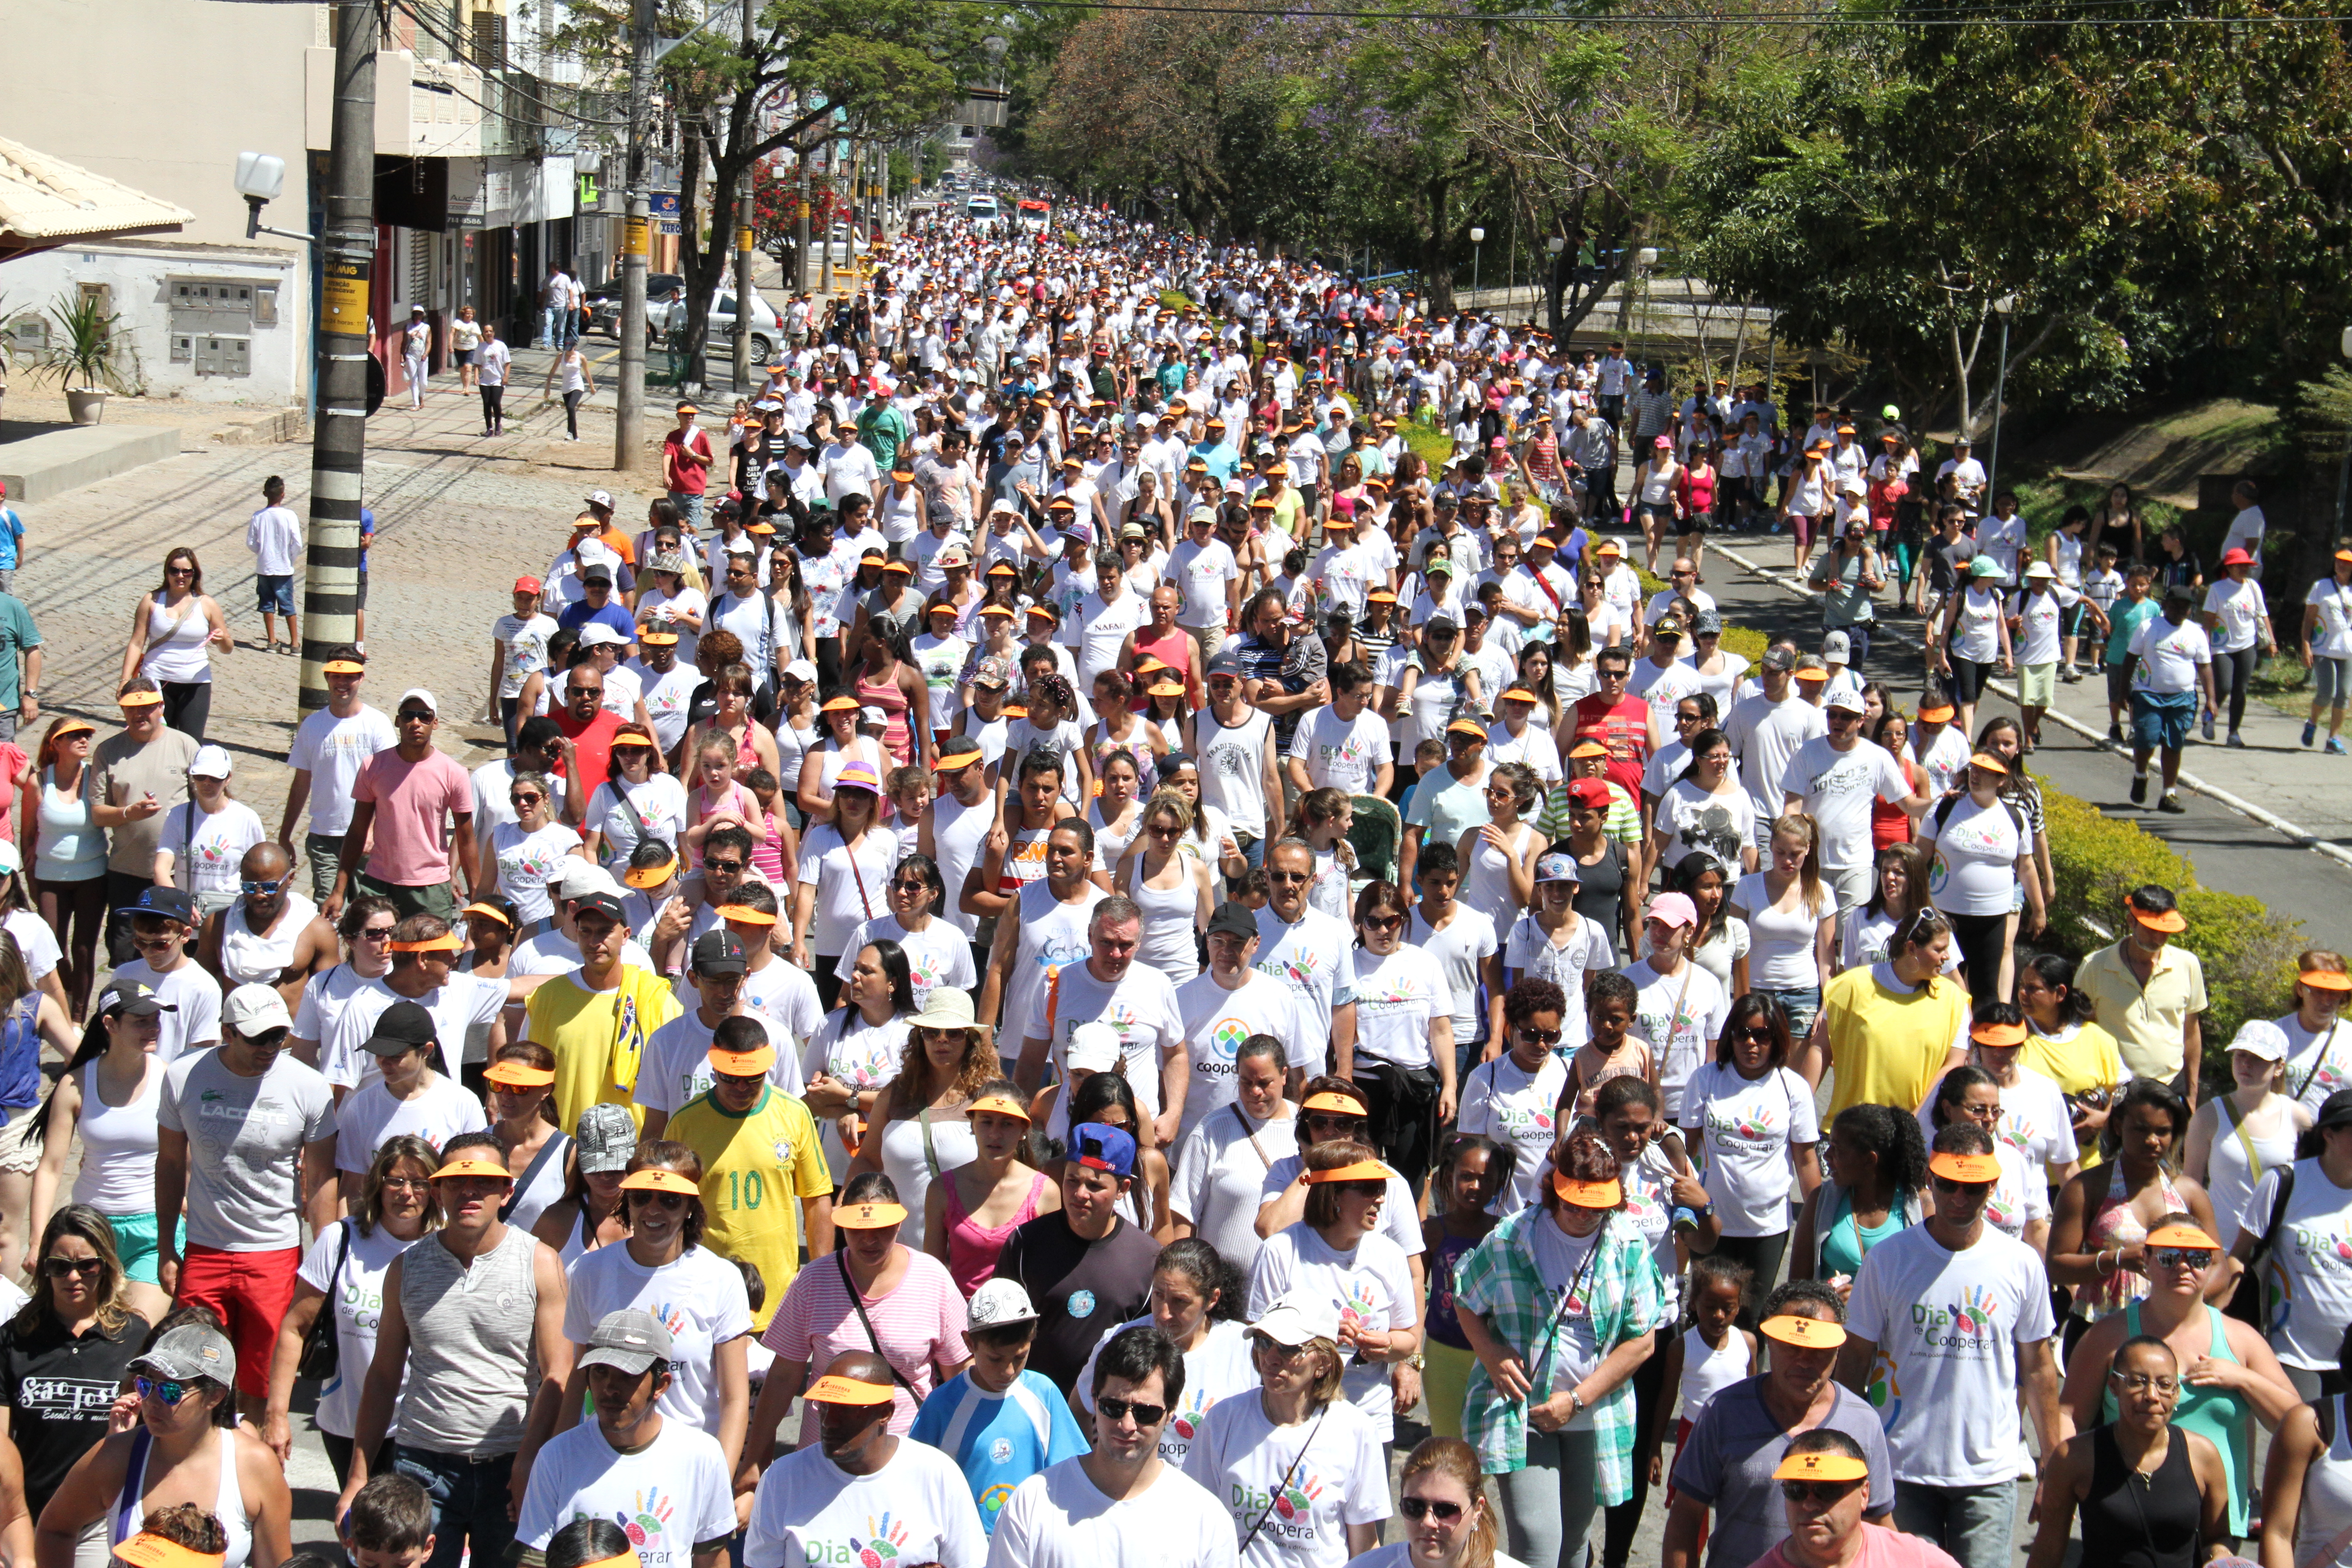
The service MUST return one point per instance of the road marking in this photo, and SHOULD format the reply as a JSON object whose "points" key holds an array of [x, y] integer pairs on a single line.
{"points": [[2303, 838]]}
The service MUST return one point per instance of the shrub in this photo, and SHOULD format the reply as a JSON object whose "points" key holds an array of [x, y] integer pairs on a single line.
{"points": [[2247, 952]]}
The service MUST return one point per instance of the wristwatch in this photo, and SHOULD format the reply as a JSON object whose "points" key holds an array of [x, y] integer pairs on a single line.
{"points": [[1416, 1360]]}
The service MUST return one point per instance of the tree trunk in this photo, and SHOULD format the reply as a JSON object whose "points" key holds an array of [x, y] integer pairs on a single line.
{"points": [[1437, 250]]}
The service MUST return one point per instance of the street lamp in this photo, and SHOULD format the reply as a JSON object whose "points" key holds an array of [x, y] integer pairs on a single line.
{"points": [[1477, 238], [2004, 307], [260, 179]]}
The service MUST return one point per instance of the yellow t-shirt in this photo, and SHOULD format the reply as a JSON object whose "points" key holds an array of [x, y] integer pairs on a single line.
{"points": [[1889, 1045], [2087, 1059], [756, 1168], [599, 1036]]}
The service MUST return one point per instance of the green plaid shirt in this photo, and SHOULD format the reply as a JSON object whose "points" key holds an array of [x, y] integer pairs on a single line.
{"points": [[1498, 1281]]}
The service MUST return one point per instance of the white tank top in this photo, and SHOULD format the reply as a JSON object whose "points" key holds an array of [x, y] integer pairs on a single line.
{"points": [[2069, 559], [1707, 1371], [2322, 1530], [539, 1195], [117, 1146], [130, 1512], [911, 1168], [1169, 914], [1658, 487], [899, 521], [176, 643], [251, 958], [1052, 933]]}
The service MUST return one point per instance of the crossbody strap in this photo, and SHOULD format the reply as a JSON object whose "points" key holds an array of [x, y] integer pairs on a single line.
{"points": [[857, 1302]]}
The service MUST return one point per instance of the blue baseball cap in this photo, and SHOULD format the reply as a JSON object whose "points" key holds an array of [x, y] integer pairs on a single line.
{"points": [[1100, 1148], [174, 903]]}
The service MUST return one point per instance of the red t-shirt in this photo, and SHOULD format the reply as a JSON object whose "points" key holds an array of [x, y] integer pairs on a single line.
{"points": [[1624, 729], [677, 474], [593, 741]]}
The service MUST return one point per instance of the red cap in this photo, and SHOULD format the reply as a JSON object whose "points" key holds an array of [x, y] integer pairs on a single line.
{"points": [[1589, 791], [2236, 558], [526, 586]]}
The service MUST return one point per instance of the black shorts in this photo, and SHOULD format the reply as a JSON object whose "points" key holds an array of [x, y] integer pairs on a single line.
{"points": [[1691, 525], [2119, 679], [1968, 679]]}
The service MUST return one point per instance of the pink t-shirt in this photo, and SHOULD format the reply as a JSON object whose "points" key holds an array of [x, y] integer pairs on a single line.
{"points": [[920, 1322], [414, 802], [1881, 1548]]}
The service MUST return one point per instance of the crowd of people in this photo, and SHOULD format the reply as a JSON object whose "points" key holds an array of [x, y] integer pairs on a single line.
{"points": [[1072, 904]]}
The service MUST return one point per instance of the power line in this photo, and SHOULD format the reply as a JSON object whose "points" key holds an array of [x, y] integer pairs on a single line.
{"points": [[1941, 16], [458, 50]]}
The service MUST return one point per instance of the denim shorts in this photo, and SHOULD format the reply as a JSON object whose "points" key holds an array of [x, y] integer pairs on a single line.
{"points": [[276, 593], [1803, 1004]]}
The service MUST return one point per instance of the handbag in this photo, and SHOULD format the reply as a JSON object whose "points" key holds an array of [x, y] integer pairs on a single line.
{"points": [[321, 1355]]}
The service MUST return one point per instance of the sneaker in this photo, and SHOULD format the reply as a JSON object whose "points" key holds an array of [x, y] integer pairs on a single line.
{"points": [[2171, 802], [2114, 734], [2334, 747], [2139, 789], [2235, 742], [2071, 676], [2310, 730], [2205, 726]]}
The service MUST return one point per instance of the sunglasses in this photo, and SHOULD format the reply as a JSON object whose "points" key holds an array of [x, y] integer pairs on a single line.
{"points": [[257, 889], [1288, 877], [58, 1268], [525, 799], [1417, 1509], [1947, 1184], [1324, 1121], [1383, 923], [721, 866], [170, 1391], [1820, 1493], [2195, 1257], [910, 887], [658, 1200], [376, 933], [1119, 1409], [1540, 1037]]}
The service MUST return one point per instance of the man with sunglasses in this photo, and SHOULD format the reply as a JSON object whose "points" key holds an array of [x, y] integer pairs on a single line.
{"points": [[272, 934], [407, 804], [1945, 1322], [1310, 951], [246, 1145], [330, 746], [1724, 1466], [1617, 719], [470, 1361], [1825, 1484], [1118, 1504], [134, 779]]}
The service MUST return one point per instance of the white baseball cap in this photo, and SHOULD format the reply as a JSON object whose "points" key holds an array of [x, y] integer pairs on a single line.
{"points": [[255, 1009], [211, 762], [997, 1303], [1093, 1048], [1300, 1316], [596, 633], [418, 694]]}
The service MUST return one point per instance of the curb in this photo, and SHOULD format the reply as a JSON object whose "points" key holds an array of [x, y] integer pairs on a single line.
{"points": [[2301, 837]]}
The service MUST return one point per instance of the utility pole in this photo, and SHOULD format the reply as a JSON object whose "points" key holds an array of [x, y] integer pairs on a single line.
{"points": [[629, 396], [330, 578], [747, 209], [800, 230], [833, 214]]}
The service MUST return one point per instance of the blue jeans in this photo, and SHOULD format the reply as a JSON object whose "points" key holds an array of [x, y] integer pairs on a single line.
{"points": [[550, 327], [1970, 1523], [469, 1503]]}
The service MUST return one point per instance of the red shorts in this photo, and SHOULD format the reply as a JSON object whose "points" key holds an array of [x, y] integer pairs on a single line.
{"points": [[250, 1291]]}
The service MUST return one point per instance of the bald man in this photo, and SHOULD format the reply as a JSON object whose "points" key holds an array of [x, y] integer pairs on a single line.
{"points": [[272, 935]]}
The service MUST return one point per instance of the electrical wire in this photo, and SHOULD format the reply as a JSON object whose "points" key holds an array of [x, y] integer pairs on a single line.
{"points": [[458, 50]]}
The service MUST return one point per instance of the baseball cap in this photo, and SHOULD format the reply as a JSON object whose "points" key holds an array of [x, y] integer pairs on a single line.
{"points": [[629, 1341], [1556, 868], [135, 999], [599, 498], [211, 762], [1779, 659], [1100, 1148], [1837, 648], [1093, 1048], [1233, 919], [189, 1352], [526, 586], [605, 1138], [174, 903], [1297, 1317], [719, 952], [1674, 909], [256, 1009], [422, 697], [997, 1303], [2260, 1037], [402, 1027]]}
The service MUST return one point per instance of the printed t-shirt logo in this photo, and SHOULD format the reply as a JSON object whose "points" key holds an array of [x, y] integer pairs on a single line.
{"points": [[648, 1526], [1729, 1126], [1225, 1037], [1082, 1303], [882, 1541]]}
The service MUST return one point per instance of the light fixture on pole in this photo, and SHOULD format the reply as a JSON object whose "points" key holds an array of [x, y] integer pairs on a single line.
{"points": [[1477, 238], [2004, 306], [260, 180]]}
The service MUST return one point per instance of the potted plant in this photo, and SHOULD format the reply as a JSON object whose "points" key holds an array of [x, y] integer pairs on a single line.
{"points": [[85, 352]]}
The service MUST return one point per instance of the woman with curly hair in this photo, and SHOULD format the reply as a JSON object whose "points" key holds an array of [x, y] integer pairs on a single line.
{"points": [[1876, 1186], [1050, 725], [1559, 1303], [918, 1127]]}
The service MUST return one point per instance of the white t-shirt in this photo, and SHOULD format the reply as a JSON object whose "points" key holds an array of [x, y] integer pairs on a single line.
{"points": [[1059, 1519], [659, 803], [1200, 573], [1765, 735], [2315, 1258], [1977, 619], [2038, 616], [2332, 637], [1399, 996], [1216, 1023], [1975, 850], [1311, 957], [208, 853], [1218, 1183], [355, 1296], [1529, 950], [332, 750], [1370, 1286], [2168, 655], [938, 954], [700, 1299], [1662, 690], [1947, 1325], [669, 1495], [1341, 754], [1514, 1107], [1298, 1487], [811, 1513], [370, 1117], [1740, 1132], [1679, 1024], [849, 894], [527, 862], [1139, 1004], [1836, 788], [1460, 950], [2241, 612]]}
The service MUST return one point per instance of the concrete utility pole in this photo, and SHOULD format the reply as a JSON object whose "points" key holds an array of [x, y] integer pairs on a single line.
{"points": [[800, 230], [629, 396], [331, 579], [749, 209]]}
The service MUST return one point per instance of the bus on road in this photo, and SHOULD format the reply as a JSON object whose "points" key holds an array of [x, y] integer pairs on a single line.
{"points": [[981, 209], [1032, 215]]}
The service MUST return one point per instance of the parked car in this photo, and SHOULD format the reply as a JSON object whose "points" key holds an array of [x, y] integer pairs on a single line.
{"points": [[604, 300], [767, 327]]}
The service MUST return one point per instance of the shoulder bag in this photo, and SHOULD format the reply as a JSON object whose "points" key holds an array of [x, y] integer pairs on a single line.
{"points": [[322, 1351], [857, 1304]]}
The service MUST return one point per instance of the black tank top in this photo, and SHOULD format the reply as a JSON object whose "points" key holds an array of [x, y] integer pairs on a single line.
{"points": [[2131, 1520], [1600, 893]]}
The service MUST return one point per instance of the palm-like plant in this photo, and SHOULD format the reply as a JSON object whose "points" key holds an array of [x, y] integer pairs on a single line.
{"points": [[85, 350]]}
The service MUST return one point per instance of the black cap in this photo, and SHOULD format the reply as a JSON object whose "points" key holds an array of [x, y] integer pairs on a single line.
{"points": [[2335, 1111], [1234, 919], [404, 1027], [174, 903], [1223, 663], [604, 904], [717, 952], [134, 999], [597, 574]]}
